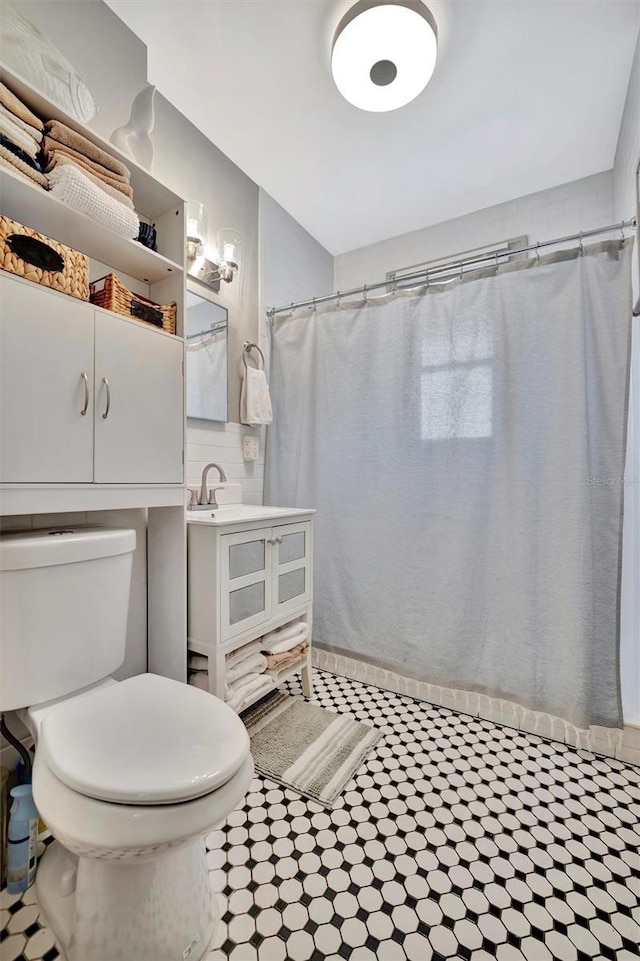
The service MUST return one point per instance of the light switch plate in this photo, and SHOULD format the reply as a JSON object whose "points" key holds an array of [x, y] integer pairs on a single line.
{"points": [[250, 447]]}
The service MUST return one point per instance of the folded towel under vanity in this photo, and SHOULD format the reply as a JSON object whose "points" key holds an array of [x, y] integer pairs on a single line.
{"points": [[251, 687], [282, 645], [69, 185], [253, 664], [255, 402], [199, 679], [243, 652], [278, 662], [197, 662]]}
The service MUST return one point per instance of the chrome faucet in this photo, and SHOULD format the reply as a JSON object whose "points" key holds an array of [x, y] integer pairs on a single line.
{"points": [[203, 499]]}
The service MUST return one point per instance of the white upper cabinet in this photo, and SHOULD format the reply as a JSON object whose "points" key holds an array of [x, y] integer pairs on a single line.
{"points": [[87, 396], [139, 404], [46, 391]]}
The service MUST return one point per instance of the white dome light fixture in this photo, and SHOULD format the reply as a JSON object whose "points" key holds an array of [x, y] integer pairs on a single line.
{"points": [[384, 53]]}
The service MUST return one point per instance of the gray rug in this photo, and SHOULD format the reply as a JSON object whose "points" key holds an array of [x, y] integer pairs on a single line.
{"points": [[307, 748]]}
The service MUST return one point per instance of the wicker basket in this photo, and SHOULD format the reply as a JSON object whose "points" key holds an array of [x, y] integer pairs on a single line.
{"points": [[109, 292], [35, 257]]}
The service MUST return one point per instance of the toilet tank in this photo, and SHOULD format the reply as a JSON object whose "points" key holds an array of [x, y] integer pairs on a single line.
{"points": [[64, 599]]}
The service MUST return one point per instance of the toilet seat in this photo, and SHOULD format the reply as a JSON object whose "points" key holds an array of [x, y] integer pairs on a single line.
{"points": [[147, 740]]}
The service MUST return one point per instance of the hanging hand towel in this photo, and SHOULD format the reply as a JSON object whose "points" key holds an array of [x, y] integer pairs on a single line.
{"points": [[255, 402]]}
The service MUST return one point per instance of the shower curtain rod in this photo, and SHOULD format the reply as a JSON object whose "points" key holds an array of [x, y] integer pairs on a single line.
{"points": [[427, 273]]}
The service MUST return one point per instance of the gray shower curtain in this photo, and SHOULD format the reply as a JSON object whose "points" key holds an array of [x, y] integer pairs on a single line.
{"points": [[464, 448]]}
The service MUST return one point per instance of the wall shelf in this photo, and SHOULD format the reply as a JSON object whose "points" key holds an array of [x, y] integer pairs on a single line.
{"points": [[151, 197], [29, 204]]}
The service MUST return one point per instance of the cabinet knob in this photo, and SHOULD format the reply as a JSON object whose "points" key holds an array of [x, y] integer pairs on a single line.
{"points": [[86, 394]]}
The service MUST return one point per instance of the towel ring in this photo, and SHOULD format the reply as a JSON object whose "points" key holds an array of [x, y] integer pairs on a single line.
{"points": [[247, 349]]}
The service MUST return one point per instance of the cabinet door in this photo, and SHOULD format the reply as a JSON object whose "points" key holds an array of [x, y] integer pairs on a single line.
{"points": [[292, 566], [46, 406], [245, 581], [139, 404]]}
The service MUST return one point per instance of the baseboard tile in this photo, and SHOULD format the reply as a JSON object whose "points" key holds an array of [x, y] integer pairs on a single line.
{"points": [[622, 745]]}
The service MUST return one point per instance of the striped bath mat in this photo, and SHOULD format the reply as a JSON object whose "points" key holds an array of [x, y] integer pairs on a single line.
{"points": [[307, 748]]}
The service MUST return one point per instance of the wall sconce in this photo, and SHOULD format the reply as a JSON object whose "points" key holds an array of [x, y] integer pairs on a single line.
{"points": [[224, 264], [197, 226]]}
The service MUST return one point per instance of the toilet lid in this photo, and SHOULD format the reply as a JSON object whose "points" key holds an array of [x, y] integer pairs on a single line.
{"points": [[146, 740]]}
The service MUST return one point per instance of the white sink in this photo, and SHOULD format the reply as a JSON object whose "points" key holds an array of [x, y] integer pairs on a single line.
{"points": [[242, 514]]}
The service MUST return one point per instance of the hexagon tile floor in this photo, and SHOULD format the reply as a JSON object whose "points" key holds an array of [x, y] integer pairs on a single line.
{"points": [[457, 838]]}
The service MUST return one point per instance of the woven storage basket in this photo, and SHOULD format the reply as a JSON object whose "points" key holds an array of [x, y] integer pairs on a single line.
{"points": [[109, 292], [35, 257]]}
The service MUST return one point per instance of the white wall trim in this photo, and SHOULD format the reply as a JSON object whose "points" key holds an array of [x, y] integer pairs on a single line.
{"points": [[623, 745]]}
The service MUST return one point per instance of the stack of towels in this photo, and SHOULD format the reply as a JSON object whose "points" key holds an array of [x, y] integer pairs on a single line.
{"points": [[198, 671], [21, 135], [87, 178], [245, 678], [252, 670], [284, 647]]}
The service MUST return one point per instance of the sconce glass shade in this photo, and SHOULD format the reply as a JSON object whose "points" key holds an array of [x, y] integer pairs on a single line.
{"points": [[229, 241], [384, 53], [197, 226]]}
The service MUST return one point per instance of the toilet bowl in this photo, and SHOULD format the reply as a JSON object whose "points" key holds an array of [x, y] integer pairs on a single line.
{"points": [[130, 777]]}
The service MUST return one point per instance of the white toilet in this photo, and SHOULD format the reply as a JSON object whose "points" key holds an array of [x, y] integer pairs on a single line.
{"points": [[129, 776]]}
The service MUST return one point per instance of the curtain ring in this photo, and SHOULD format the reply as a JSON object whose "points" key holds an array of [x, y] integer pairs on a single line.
{"points": [[365, 294], [622, 236], [581, 244], [314, 306], [338, 298], [538, 252], [427, 278], [460, 270], [496, 261], [394, 287]]}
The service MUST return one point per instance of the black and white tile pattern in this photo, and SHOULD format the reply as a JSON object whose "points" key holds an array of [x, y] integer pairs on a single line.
{"points": [[456, 839]]}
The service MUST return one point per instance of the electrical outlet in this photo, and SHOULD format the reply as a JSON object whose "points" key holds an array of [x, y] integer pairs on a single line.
{"points": [[250, 447]]}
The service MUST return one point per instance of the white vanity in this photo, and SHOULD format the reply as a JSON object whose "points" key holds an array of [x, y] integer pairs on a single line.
{"points": [[250, 571]]}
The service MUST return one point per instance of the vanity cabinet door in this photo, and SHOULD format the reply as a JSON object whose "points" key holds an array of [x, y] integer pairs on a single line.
{"points": [[292, 574], [245, 581], [139, 429], [46, 386]]}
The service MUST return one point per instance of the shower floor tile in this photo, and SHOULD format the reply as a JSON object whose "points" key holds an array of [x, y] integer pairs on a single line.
{"points": [[457, 838]]}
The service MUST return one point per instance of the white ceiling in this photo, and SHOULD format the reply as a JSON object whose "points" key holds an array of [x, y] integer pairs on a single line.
{"points": [[526, 94]]}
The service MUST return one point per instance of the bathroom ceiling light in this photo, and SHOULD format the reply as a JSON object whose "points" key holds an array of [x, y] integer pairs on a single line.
{"points": [[384, 53]]}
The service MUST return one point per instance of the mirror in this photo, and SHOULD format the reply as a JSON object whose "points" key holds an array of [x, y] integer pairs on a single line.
{"points": [[206, 341]]}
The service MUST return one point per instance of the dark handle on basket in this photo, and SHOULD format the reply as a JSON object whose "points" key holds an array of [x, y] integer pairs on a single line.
{"points": [[35, 252], [144, 312]]}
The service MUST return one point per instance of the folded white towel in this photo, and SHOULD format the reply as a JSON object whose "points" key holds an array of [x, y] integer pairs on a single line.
{"points": [[282, 633], [199, 679], [198, 662], [255, 402], [235, 702], [69, 185], [260, 685], [279, 647], [245, 681], [254, 664], [232, 659], [22, 124], [18, 136]]}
